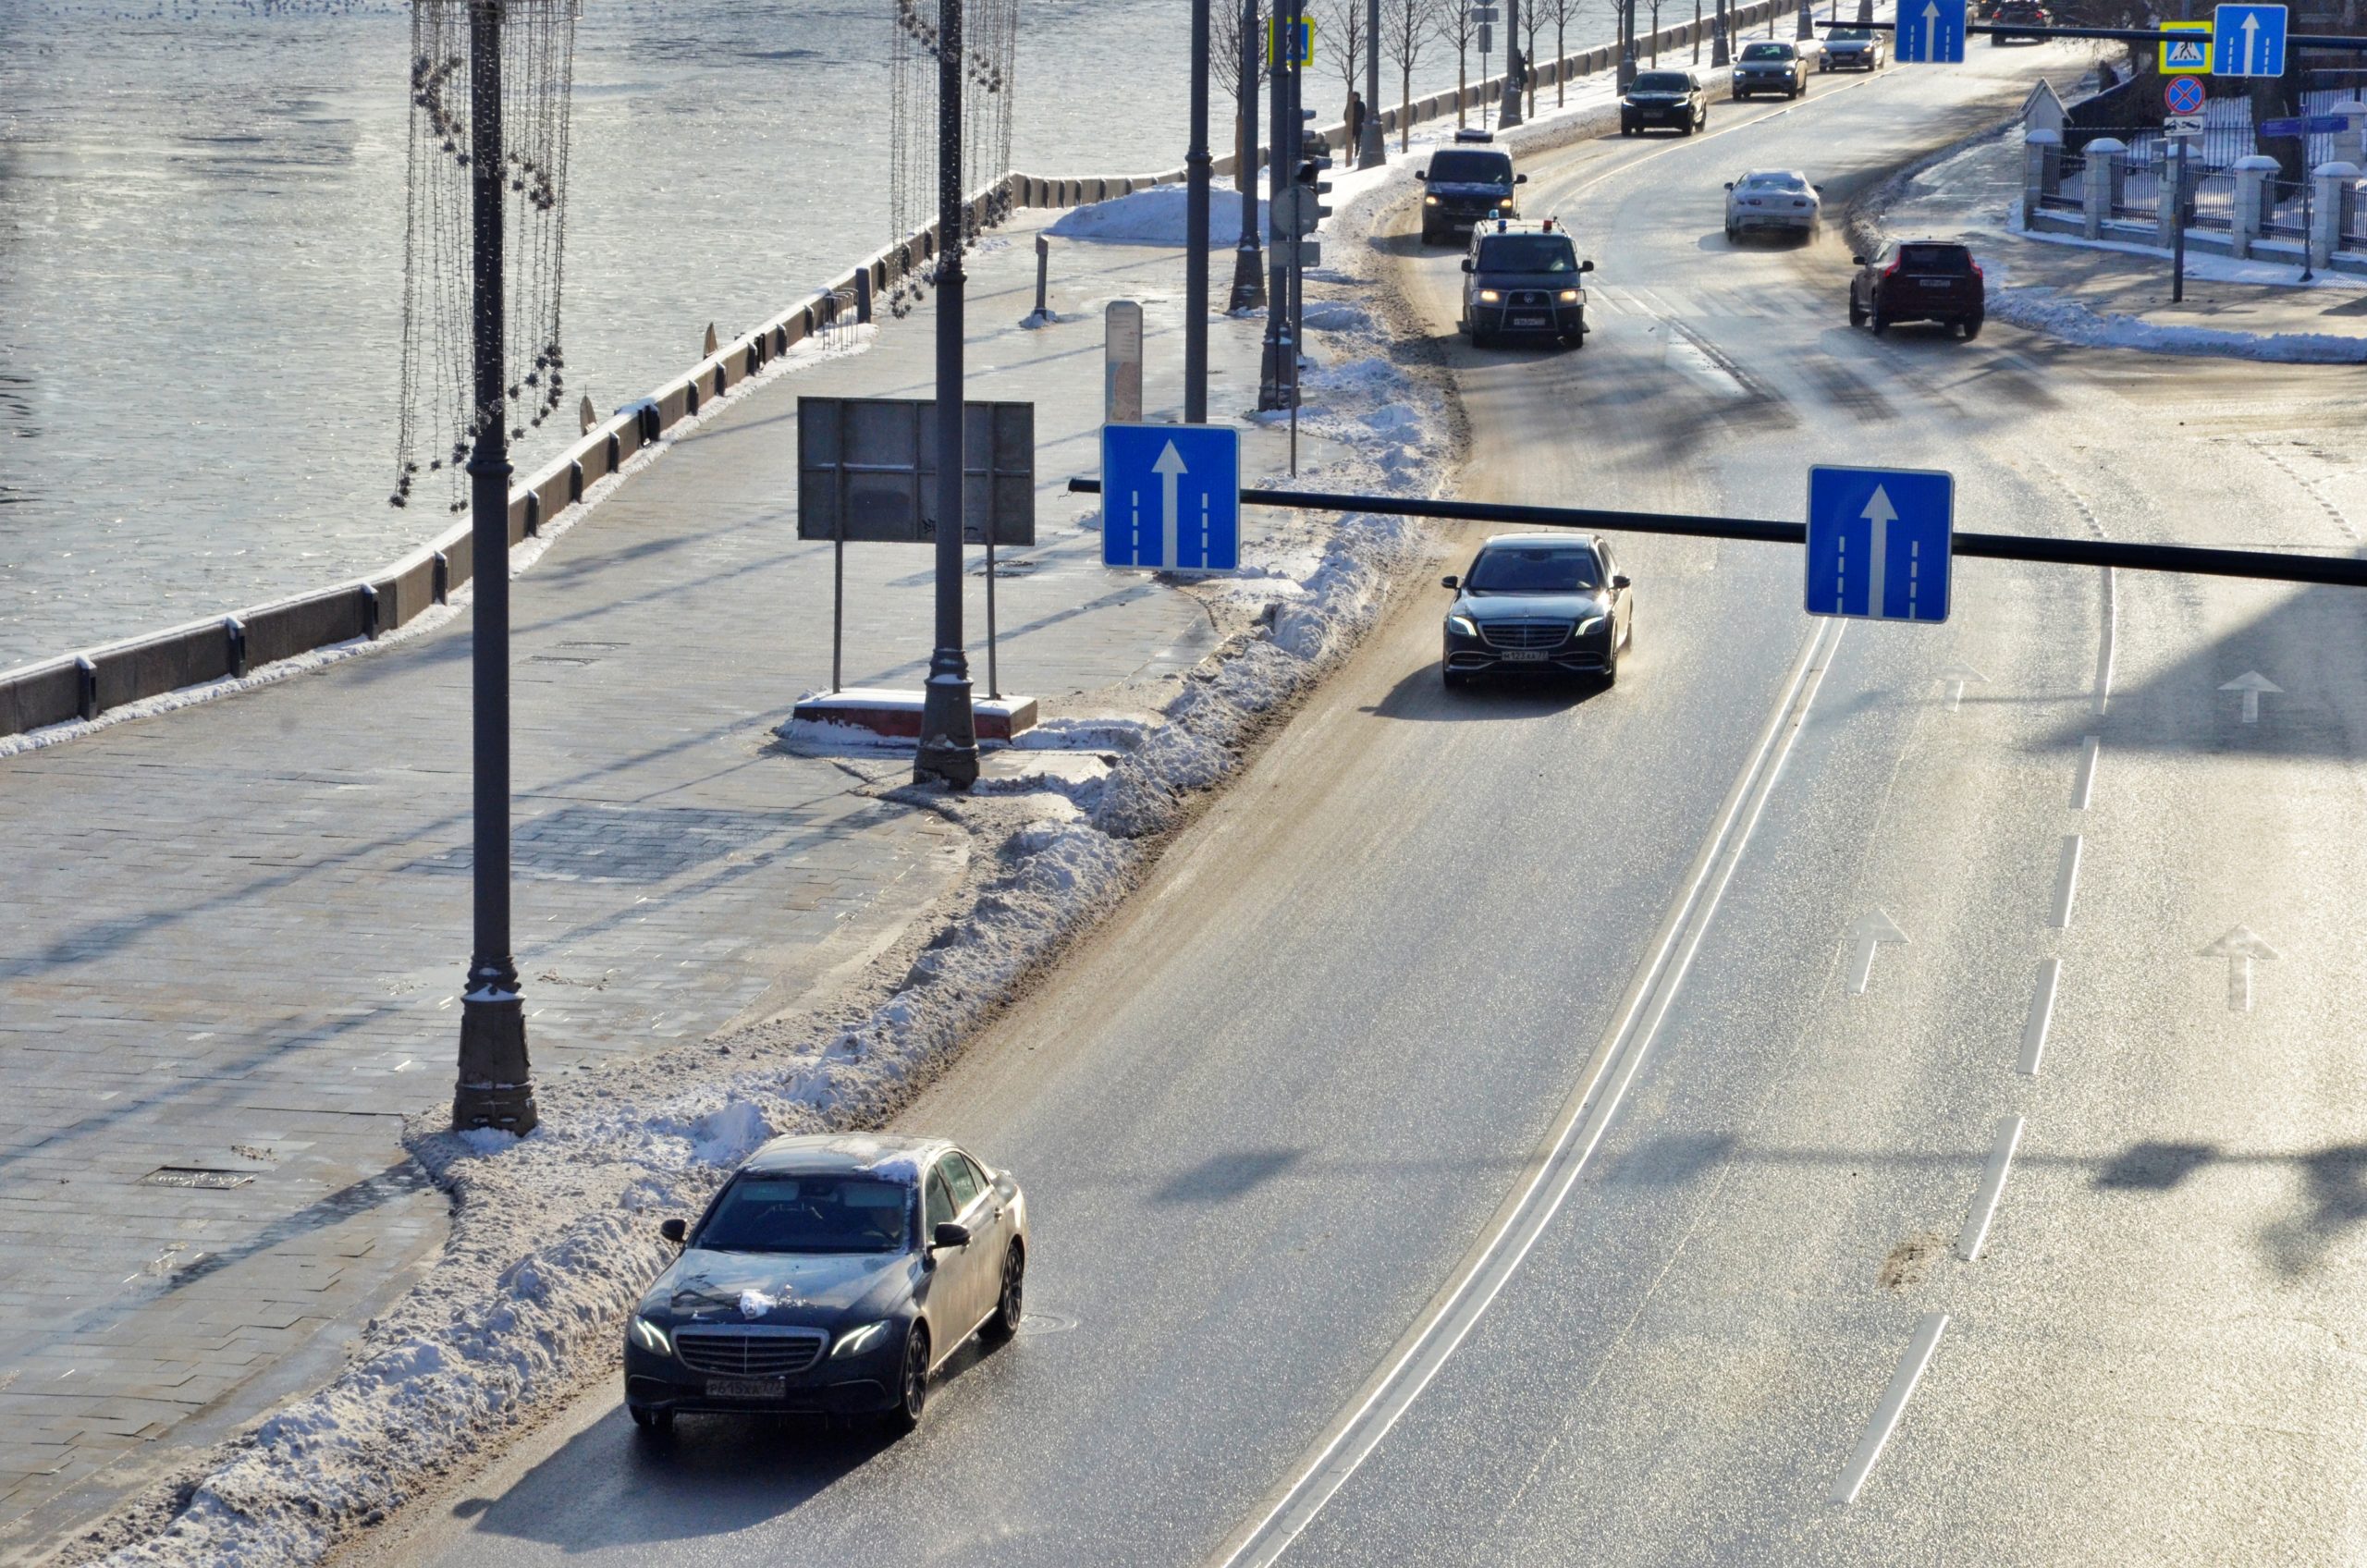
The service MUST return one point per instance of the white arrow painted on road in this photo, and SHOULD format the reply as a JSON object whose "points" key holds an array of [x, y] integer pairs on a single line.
{"points": [[2252, 683], [1880, 514], [1168, 468], [1872, 929], [2240, 946], [1955, 675]]}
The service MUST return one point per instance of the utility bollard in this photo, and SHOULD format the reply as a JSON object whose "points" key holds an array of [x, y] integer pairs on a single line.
{"points": [[1043, 282], [2253, 195]]}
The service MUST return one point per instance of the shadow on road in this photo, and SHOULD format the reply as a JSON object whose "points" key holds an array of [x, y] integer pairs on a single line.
{"points": [[1421, 696]]}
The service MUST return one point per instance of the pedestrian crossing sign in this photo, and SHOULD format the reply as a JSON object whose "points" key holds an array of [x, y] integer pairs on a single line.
{"points": [[2187, 50]]}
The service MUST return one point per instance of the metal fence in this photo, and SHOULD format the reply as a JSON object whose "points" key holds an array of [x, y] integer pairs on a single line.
{"points": [[2214, 201], [2285, 209], [2141, 192]]}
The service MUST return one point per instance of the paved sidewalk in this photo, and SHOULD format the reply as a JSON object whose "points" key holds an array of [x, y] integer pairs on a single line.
{"points": [[233, 937], [1975, 195]]}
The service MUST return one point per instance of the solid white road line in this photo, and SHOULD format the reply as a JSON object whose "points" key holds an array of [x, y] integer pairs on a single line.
{"points": [[2083, 789], [2041, 1015], [1579, 1131], [1993, 1187], [2066, 881], [1893, 1406]]}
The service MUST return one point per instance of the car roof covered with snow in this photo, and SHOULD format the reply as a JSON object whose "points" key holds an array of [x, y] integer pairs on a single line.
{"points": [[884, 1155]]}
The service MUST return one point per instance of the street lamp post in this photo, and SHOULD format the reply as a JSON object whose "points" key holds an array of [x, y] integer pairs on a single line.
{"points": [[1248, 265], [1514, 63], [495, 1085], [1372, 148], [1278, 371], [948, 744]]}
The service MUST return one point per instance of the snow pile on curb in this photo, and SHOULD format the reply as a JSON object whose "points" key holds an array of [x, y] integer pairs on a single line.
{"points": [[2044, 310], [1156, 217], [554, 1234]]}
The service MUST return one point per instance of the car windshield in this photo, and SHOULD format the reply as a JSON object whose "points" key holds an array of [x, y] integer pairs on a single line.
{"points": [[1527, 252], [769, 1213], [1532, 569], [1471, 168], [1934, 258], [1660, 81], [1850, 35], [1768, 52], [1775, 182]]}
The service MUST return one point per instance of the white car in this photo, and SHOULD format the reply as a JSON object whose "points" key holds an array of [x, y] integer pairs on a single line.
{"points": [[1777, 198]]}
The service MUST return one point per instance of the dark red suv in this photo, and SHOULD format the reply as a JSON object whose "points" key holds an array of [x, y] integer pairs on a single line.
{"points": [[1918, 280]]}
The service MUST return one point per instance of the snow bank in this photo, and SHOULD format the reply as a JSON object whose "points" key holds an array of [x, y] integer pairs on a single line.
{"points": [[2044, 310], [1156, 216], [554, 1234]]}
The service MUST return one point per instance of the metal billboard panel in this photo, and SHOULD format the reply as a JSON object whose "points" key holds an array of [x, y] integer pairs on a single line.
{"points": [[867, 471]]}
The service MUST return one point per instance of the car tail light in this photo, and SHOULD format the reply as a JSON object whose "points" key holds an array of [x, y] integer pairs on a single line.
{"points": [[1976, 269], [1892, 270]]}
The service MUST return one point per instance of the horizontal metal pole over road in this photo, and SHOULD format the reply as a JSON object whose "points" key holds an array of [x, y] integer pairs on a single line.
{"points": [[2274, 566], [2127, 34]]}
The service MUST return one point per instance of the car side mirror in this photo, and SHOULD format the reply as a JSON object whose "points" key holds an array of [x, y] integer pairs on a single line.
{"points": [[1467, 263], [1619, 580], [1520, 179], [1730, 185], [675, 1232], [1422, 174], [1860, 261], [952, 1233], [1586, 266], [1818, 189], [1450, 581]]}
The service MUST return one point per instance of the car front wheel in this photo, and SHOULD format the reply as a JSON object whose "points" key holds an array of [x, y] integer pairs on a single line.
{"points": [[912, 1387], [1010, 1304]]}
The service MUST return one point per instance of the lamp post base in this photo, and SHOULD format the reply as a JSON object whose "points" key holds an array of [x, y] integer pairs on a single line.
{"points": [[496, 1087], [948, 748], [1248, 277]]}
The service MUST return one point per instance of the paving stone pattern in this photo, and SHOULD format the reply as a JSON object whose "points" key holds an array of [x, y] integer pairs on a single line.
{"points": [[232, 936]]}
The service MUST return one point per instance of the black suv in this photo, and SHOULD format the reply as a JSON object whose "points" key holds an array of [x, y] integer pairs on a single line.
{"points": [[1770, 66], [1466, 185], [1674, 99], [1521, 281], [2024, 13], [1919, 280]]}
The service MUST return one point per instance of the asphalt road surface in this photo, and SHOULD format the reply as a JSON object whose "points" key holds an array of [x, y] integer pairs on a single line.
{"points": [[1472, 1146]]}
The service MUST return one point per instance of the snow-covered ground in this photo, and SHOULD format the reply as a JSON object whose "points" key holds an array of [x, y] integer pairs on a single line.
{"points": [[554, 1234]]}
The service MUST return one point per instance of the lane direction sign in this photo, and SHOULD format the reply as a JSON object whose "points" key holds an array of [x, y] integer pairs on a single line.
{"points": [[1878, 545], [1170, 496], [2191, 53], [2183, 95], [2248, 39], [1930, 33]]}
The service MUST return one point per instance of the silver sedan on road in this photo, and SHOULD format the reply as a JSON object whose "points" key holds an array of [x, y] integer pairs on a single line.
{"points": [[1773, 198]]}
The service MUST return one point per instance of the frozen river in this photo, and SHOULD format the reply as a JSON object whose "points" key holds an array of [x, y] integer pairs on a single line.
{"points": [[200, 253]]}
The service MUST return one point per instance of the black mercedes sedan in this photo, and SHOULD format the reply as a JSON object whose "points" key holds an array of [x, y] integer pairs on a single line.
{"points": [[1539, 604], [832, 1275]]}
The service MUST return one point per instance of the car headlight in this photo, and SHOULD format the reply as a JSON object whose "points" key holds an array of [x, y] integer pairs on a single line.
{"points": [[1587, 627], [1462, 626], [1569, 296], [854, 1341], [1488, 297], [651, 1336], [1506, 203], [1429, 201]]}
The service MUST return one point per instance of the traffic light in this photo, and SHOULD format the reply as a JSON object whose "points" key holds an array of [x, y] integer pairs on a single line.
{"points": [[1312, 210]]}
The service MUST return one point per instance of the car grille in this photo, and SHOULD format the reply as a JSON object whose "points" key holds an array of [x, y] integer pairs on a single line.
{"points": [[1525, 633], [749, 1352], [1529, 300]]}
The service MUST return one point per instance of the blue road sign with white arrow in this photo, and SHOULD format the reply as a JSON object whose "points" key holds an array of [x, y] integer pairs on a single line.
{"points": [[2248, 41], [1879, 543], [1170, 496], [1930, 33]]}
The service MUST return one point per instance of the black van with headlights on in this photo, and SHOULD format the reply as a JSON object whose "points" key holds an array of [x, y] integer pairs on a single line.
{"points": [[1523, 281], [1466, 185]]}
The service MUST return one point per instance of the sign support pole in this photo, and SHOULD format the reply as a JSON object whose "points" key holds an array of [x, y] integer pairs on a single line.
{"points": [[838, 604], [1276, 366], [1195, 259], [948, 744], [2177, 242]]}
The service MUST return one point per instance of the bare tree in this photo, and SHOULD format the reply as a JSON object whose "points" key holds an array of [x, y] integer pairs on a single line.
{"points": [[1405, 27], [1532, 20], [1451, 22], [1344, 21], [1559, 13], [1224, 62]]}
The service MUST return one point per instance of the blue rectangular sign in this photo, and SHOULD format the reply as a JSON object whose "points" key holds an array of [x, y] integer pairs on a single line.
{"points": [[2248, 41], [2306, 124], [1931, 32], [1170, 496], [1878, 546]]}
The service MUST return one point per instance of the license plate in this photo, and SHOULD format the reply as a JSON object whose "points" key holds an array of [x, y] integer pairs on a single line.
{"points": [[1528, 321], [1526, 656], [1934, 282], [747, 1387]]}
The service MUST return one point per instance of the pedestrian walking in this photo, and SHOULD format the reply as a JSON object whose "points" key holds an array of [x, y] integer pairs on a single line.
{"points": [[1356, 123]]}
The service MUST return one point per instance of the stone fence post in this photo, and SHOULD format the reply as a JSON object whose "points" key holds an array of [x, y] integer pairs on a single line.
{"points": [[2350, 143], [2252, 196], [2330, 216], [2041, 169], [2107, 157]]}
